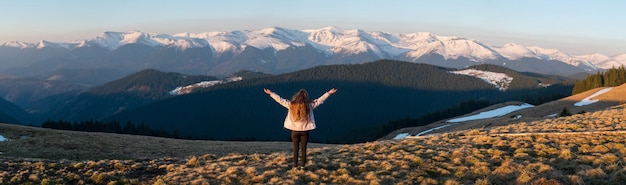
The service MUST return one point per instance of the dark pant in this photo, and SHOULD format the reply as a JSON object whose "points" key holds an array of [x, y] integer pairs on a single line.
{"points": [[299, 140]]}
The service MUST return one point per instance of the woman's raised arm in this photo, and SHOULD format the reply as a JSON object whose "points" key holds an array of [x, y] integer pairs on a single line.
{"points": [[278, 99]]}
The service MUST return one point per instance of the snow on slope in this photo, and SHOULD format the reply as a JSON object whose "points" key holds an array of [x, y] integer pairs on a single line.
{"points": [[333, 40], [432, 129], [514, 51], [483, 115], [404, 135], [588, 100], [401, 136], [500, 80], [189, 88], [17, 44], [2, 138], [492, 113]]}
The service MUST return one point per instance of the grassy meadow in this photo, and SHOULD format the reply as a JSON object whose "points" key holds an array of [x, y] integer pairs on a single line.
{"points": [[580, 149]]}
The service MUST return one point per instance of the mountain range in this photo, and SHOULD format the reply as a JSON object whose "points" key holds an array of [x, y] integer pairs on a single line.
{"points": [[275, 50]]}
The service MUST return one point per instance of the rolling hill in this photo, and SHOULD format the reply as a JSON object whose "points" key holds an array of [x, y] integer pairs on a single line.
{"points": [[588, 101], [11, 113]]}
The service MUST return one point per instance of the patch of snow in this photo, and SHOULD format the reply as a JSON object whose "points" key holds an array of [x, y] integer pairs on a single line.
{"points": [[492, 113], [543, 85], [401, 136], [55, 77], [588, 100], [499, 80], [432, 129], [552, 115], [2, 138], [187, 89]]}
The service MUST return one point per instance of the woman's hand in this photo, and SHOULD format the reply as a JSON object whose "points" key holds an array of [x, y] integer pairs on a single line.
{"points": [[267, 91], [332, 91]]}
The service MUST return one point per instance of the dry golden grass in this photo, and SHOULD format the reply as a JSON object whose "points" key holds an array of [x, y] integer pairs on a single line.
{"points": [[576, 153], [34, 142]]}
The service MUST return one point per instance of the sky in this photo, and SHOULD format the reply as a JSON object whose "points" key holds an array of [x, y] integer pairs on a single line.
{"points": [[574, 26]]}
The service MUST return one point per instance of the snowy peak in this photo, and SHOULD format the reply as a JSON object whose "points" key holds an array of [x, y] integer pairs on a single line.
{"points": [[599, 60], [39, 45], [113, 40], [277, 38], [457, 47], [17, 44], [338, 41], [514, 51], [425, 43], [43, 44]]}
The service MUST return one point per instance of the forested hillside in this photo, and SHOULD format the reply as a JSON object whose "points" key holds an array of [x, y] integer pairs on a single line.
{"points": [[149, 83], [610, 78], [126, 93], [370, 95], [4, 118], [11, 113]]}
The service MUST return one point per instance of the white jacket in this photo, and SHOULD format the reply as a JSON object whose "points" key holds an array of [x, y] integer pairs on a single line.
{"points": [[299, 125]]}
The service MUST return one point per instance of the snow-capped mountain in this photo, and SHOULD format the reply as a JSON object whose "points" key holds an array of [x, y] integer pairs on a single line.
{"points": [[279, 50]]}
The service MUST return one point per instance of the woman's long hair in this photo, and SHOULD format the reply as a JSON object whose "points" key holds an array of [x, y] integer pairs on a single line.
{"points": [[299, 107]]}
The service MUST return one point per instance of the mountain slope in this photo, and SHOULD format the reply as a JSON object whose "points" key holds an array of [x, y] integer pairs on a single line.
{"points": [[369, 94], [11, 113], [589, 101], [131, 91], [29, 93], [274, 50]]}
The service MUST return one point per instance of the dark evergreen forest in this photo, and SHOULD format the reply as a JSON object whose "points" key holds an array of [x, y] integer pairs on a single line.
{"points": [[5, 118], [371, 98], [110, 127], [610, 78], [132, 91]]}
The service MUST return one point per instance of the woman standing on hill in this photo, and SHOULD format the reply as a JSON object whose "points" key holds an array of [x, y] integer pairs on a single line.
{"points": [[300, 119]]}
